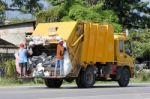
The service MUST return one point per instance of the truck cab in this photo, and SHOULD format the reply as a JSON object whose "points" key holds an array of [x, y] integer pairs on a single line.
{"points": [[123, 50]]}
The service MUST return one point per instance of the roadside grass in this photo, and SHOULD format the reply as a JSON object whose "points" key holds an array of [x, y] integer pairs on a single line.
{"points": [[20, 82], [40, 82], [139, 77]]}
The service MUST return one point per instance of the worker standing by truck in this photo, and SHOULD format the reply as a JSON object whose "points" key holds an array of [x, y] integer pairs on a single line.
{"points": [[59, 57], [22, 53], [29, 49]]}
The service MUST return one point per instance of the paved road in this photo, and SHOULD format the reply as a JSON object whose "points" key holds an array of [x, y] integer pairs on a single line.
{"points": [[134, 91]]}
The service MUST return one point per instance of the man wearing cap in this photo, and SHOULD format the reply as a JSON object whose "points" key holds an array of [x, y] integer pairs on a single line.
{"points": [[22, 53], [29, 49], [59, 57]]}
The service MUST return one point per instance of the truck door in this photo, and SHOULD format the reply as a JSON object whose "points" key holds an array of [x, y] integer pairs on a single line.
{"points": [[128, 53], [124, 56]]}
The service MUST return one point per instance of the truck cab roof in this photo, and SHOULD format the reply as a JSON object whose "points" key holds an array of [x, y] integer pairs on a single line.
{"points": [[120, 36]]}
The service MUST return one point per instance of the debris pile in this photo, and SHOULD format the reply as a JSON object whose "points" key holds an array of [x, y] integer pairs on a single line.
{"points": [[40, 40], [40, 65]]}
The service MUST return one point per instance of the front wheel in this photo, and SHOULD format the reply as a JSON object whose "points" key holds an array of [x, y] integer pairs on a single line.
{"points": [[123, 77], [53, 83]]}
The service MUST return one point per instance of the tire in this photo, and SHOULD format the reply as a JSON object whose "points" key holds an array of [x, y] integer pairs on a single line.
{"points": [[86, 79], [123, 77], [78, 81], [53, 83]]}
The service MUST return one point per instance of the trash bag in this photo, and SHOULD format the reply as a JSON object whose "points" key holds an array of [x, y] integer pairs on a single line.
{"points": [[67, 63], [36, 58], [18, 69], [46, 74], [38, 73], [49, 61]]}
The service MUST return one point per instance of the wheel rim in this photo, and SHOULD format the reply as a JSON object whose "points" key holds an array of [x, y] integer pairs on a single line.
{"points": [[89, 78]]}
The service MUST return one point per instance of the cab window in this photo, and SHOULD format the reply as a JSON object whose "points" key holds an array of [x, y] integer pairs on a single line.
{"points": [[127, 47], [121, 45]]}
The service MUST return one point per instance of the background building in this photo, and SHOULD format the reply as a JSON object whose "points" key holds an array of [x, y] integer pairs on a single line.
{"points": [[11, 35]]}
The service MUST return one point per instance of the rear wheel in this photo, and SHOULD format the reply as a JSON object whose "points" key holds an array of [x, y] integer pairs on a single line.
{"points": [[123, 77], [86, 79], [53, 83], [78, 81]]}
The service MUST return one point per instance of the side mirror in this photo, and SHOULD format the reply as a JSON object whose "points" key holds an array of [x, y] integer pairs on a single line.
{"points": [[128, 52]]}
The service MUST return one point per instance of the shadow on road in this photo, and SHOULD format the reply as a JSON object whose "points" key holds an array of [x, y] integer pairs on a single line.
{"points": [[94, 87]]}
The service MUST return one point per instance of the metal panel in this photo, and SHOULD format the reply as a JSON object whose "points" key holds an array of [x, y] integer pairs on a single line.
{"points": [[84, 53], [98, 44], [63, 29]]}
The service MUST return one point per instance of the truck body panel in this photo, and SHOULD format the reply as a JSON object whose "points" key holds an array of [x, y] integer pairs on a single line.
{"points": [[98, 43], [63, 29]]}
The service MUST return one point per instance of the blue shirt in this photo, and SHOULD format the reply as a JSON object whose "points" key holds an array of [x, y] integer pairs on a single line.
{"points": [[22, 55]]}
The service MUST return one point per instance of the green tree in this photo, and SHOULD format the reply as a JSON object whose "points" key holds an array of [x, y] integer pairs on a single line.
{"points": [[125, 10], [2, 10], [27, 6], [85, 10], [141, 43], [126, 13]]}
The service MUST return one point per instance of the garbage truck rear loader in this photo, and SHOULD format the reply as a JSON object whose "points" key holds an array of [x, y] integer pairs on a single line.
{"points": [[94, 53]]}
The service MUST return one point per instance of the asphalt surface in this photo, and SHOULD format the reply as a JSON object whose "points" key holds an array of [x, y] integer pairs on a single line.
{"points": [[134, 91]]}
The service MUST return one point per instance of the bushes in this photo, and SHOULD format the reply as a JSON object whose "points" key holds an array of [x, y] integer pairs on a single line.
{"points": [[140, 41], [142, 75], [9, 68]]}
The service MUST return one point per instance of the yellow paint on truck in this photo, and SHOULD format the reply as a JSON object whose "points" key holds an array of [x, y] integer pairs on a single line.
{"points": [[98, 44], [92, 44]]}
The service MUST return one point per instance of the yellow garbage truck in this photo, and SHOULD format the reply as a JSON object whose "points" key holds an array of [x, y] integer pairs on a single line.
{"points": [[93, 53]]}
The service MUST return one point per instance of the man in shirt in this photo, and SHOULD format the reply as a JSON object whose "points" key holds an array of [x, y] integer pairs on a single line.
{"points": [[22, 53], [59, 57], [29, 49]]}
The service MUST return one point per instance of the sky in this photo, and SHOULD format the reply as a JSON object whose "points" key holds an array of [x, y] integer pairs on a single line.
{"points": [[142, 13], [18, 14], [146, 1]]}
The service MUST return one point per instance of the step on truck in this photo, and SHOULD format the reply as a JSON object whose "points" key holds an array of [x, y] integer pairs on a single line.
{"points": [[93, 53]]}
